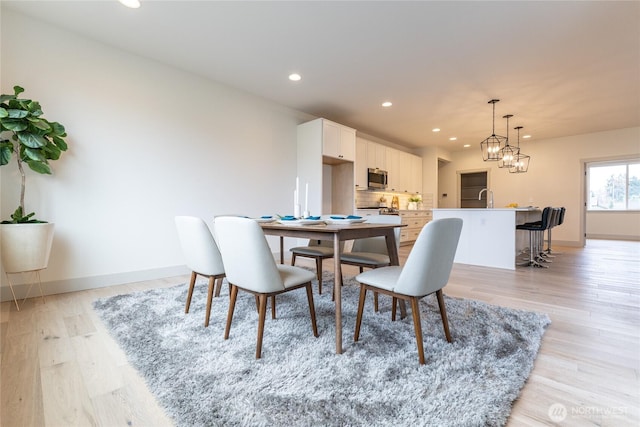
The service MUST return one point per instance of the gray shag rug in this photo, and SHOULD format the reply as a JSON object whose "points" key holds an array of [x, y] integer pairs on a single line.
{"points": [[203, 380]]}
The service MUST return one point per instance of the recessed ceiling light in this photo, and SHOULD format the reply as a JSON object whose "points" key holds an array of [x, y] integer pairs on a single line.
{"points": [[526, 136], [133, 4], [435, 130], [453, 138], [387, 104], [467, 145], [295, 77]]}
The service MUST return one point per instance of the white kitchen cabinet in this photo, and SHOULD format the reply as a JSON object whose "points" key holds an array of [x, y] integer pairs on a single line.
{"points": [[393, 169], [338, 141], [415, 180], [330, 176], [362, 179], [409, 173], [376, 156]]}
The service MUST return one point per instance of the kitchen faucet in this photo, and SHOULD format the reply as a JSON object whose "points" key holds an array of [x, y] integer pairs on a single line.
{"points": [[489, 197]]}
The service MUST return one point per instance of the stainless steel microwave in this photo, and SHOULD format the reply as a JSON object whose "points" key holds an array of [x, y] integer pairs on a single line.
{"points": [[377, 179]]}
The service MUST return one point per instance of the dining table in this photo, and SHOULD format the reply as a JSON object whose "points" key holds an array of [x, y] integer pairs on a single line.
{"points": [[336, 233]]}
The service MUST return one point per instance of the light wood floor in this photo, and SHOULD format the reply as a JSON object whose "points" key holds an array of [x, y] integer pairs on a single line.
{"points": [[60, 367]]}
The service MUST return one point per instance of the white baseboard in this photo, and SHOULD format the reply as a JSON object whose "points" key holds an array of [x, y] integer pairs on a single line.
{"points": [[84, 283]]}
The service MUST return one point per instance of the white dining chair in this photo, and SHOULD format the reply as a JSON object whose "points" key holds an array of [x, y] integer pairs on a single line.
{"points": [[371, 252], [250, 266], [202, 257], [426, 271]]}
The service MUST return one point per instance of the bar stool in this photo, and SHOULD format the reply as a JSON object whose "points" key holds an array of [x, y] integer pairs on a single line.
{"points": [[536, 237], [558, 220]]}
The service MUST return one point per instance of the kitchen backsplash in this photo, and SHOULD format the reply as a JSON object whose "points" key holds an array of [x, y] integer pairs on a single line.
{"points": [[368, 199]]}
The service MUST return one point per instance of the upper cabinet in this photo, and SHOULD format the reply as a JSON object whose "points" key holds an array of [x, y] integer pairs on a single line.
{"points": [[376, 156], [404, 169], [338, 141]]}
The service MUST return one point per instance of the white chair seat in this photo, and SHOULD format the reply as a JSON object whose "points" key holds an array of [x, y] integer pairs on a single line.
{"points": [[294, 276], [383, 278]]}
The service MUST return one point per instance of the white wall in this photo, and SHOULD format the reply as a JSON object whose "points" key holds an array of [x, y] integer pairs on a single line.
{"points": [[146, 142], [555, 177]]}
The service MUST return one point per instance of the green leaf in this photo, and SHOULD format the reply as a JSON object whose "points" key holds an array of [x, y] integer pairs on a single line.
{"points": [[35, 154], [5, 155], [4, 98], [60, 143], [18, 90], [34, 108], [17, 114], [39, 167], [14, 125], [39, 123], [58, 129], [3, 113], [52, 151], [32, 140]]}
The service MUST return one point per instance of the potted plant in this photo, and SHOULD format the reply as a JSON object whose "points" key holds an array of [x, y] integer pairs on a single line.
{"points": [[413, 202], [25, 240]]}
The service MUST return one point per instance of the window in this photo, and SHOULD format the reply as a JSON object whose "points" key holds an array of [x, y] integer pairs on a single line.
{"points": [[614, 186]]}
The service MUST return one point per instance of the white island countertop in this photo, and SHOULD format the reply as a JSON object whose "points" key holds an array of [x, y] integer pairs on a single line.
{"points": [[489, 235]]}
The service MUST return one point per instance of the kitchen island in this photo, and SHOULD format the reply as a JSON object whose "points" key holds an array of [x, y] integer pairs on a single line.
{"points": [[489, 236]]}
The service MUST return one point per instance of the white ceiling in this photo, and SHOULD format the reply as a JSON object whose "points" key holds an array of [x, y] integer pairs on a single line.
{"points": [[561, 68]]}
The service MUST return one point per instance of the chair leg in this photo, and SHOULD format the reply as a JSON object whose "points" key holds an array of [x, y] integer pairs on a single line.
{"points": [[443, 314], [212, 281], [262, 313], [192, 284], [312, 310], [415, 311], [319, 274], [363, 294], [273, 306], [375, 302], [394, 300], [293, 258], [218, 286], [232, 306]]}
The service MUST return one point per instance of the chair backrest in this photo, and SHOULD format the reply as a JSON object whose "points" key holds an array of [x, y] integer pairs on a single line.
{"points": [[561, 216], [378, 244], [429, 263], [546, 217], [553, 219], [248, 261], [198, 246]]}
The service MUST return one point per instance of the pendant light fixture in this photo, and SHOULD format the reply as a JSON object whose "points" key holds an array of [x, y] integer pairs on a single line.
{"points": [[521, 161], [507, 154], [491, 146]]}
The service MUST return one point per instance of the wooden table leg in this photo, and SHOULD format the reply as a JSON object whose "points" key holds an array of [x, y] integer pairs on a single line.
{"points": [[281, 249], [337, 290]]}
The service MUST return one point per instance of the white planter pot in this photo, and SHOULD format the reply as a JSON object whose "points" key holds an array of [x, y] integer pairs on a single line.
{"points": [[25, 247]]}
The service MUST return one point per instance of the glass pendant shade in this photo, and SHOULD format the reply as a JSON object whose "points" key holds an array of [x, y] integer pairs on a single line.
{"points": [[520, 164], [521, 160], [508, 153], [491, 146]]}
